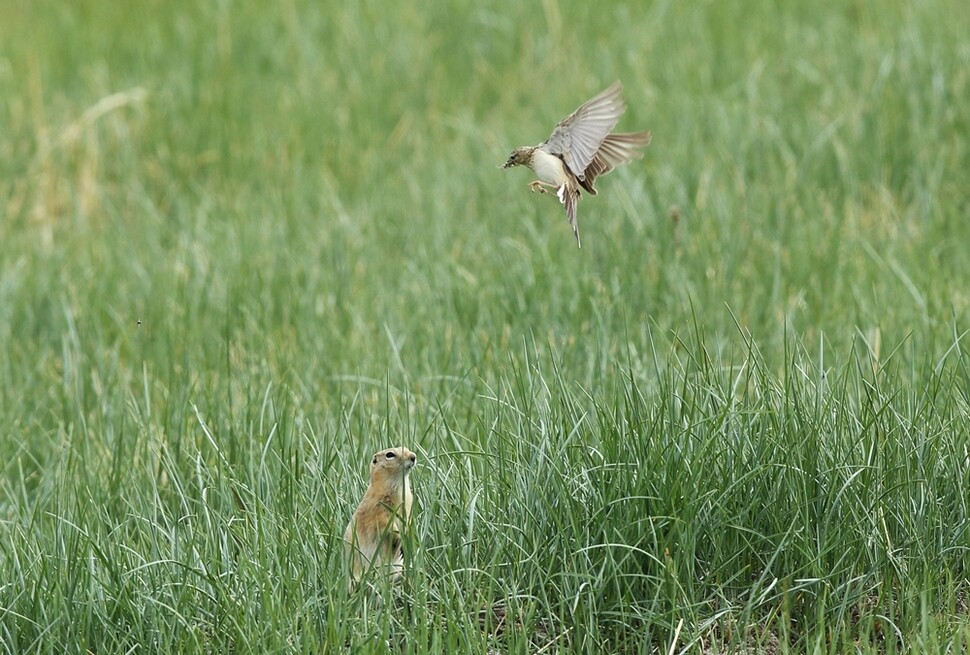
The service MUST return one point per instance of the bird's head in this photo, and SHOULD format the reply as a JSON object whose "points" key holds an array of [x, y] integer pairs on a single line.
{"points": [[520, 157]]}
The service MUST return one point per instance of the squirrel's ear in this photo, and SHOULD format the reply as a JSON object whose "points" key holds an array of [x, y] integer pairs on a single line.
{"points": [[374, 461]]}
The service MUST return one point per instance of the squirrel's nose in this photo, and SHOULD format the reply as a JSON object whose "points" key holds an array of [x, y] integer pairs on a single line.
{"points": [[413, 458]]}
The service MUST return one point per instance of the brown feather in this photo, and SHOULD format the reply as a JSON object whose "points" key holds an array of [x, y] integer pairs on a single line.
{"points": [[617, 149]]}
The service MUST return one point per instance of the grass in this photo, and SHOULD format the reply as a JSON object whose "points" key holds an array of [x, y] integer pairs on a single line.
{"points": [[245, 245]]}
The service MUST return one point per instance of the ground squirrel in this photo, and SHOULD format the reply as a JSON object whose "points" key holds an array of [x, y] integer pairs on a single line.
{"points": [[373, 535]]}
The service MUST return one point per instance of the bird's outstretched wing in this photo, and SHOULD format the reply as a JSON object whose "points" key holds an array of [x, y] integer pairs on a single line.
{"points": [[578, 136]]}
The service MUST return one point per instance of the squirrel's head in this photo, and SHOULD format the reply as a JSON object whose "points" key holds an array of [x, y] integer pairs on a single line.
{"points": [[393, 461]]}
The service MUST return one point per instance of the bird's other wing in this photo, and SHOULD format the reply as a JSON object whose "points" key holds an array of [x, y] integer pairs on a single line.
{"points": [[616, 150], [578, 136]]}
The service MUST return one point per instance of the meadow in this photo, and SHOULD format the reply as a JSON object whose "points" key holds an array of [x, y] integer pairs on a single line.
{"points": [[245, 245]]}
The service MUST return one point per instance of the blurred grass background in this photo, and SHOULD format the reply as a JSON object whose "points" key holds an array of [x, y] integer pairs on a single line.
{"points": [[243, 245]]}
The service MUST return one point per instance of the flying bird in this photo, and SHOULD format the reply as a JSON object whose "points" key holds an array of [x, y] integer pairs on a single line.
{"points": [[580, 149]]}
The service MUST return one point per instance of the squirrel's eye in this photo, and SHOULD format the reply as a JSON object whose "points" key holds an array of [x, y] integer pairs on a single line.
{"points": [[390, 455]]}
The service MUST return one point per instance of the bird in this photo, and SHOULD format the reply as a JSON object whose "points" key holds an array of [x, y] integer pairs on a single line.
{"points": [[580, 149]]}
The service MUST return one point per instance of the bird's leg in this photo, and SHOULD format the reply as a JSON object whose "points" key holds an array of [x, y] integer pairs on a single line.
{"points": [[539, 185]]}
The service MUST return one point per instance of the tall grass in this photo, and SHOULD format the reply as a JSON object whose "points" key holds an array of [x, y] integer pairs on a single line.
{"points": [[243, 246]]}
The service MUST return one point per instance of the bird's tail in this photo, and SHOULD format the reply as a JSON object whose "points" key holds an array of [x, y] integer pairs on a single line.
{"points": [[569, 196]]}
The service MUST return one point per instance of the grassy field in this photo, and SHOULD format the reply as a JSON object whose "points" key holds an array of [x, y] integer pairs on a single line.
{"points": [[244, 245]]}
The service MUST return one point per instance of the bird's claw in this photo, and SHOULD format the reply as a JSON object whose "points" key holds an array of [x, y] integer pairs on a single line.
{"points": [[536, 185]]}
